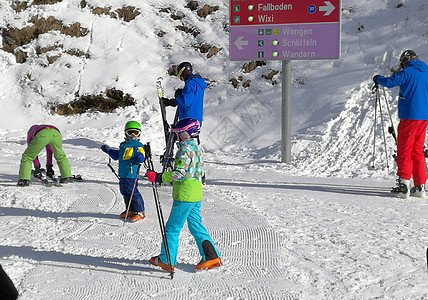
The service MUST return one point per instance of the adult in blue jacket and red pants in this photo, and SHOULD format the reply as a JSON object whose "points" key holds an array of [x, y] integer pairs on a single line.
{"points": [[413, 114]]}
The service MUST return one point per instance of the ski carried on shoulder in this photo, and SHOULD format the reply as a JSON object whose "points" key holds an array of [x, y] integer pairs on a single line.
{"points": [[166, 159], [161, 93]]}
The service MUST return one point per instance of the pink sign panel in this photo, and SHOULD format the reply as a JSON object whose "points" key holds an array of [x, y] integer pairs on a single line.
{"points": [[306, 30]]}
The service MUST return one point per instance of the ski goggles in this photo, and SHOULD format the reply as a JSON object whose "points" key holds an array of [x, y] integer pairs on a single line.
{"points": [[133, 133], [183, 135]]}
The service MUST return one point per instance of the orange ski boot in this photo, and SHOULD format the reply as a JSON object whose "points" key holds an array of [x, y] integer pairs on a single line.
{"points": [[209, 264], [155, 260]]}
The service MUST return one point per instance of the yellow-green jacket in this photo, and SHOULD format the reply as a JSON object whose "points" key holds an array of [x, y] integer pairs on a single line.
{"points": [[188, 170]]}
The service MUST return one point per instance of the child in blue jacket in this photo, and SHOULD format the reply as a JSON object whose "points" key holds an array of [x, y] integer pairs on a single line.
{"points": [[130, 156]]}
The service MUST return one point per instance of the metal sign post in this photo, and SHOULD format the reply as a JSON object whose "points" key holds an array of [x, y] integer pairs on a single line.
{"points": [[284, 30], [286, 112]]}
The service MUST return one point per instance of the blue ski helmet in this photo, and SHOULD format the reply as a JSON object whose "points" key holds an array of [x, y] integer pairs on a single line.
{"points": [[186, 127]]}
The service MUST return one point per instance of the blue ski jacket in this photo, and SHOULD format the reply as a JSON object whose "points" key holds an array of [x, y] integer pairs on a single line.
{"points": [[191, 100], [413, 82], [130, 155]]}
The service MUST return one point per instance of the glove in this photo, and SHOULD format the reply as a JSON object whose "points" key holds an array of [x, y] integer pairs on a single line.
{"points": [[178, 92], [152, 176], [105, 148], [138, 155], [49, 171], [168, 102], [375, 78], [37, 173]]}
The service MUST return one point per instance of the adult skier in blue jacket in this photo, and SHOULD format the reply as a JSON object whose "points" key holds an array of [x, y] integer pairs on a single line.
{"points": [[190, 99], [413, 114]]}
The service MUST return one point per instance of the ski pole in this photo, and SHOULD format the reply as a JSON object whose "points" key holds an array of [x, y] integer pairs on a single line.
{"points": [[132, 194], [391, 129], [374, 90], [159, 212], [383, 129], [111, 168]]}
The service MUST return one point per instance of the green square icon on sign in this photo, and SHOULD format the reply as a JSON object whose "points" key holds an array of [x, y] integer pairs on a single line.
{"points": [[236, 20], [236, 8], [261, 32], [260, 54], [268, 31], [260, 43]]}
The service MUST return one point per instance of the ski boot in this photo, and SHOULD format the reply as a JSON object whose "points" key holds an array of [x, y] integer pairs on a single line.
{"points": [[402, 190]]}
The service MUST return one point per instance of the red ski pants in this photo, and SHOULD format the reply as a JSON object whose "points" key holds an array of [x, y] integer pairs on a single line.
{"points": [[410, 150]]}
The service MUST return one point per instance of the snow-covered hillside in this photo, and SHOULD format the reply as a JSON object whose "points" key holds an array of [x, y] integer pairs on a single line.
{"points": [[321, 227], [332, 105]]}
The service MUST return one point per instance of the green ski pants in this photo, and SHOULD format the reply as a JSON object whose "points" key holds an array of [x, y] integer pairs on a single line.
{"points": [[41, 139]]}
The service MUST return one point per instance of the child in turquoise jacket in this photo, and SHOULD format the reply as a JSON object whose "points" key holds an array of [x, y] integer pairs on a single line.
{"points": [[130, 156]]}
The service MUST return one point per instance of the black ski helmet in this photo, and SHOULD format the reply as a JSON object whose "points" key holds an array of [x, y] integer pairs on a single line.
{"points": [[183, 68], [407, 55]]}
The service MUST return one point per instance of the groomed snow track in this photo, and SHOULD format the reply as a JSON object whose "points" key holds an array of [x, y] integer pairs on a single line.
{"points": [[99, 250]]}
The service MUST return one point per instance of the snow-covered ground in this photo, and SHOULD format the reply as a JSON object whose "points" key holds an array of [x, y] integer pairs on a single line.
{"points": [[320, 227]]}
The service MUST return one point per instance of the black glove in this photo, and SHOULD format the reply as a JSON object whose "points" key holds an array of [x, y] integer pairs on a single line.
{"points": [[37, 173], [168, 102], [49, 171], [178, 92], [375, 79], [105, 149]]}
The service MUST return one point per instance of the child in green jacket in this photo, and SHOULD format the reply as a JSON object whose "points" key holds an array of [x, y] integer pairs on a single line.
{"points": [[187, 194]]}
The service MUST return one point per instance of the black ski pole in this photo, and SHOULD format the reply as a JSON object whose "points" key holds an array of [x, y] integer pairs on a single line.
{"points": [[383, 129], [391, 129], [111, 168], [159, 211], [374, 90], [132, 194]]}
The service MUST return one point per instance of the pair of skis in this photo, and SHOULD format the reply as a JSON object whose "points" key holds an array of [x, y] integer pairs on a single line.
{"points": [[47, 181], [53, 181], [167, 159]]}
